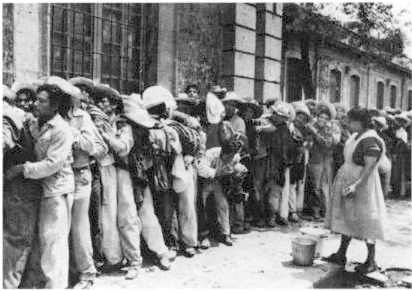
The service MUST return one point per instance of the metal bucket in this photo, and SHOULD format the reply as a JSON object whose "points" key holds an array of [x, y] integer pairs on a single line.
{"points": [[303, 251], [316, 234]]}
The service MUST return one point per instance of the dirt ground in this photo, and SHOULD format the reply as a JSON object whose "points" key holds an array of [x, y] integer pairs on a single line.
{"points": [[262, 259]]}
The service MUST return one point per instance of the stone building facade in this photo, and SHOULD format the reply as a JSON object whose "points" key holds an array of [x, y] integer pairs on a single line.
{"points": [[133, 45], [346, 74]]}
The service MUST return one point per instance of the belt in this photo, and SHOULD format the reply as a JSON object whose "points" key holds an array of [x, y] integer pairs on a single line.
{"points": [[81, 168]]}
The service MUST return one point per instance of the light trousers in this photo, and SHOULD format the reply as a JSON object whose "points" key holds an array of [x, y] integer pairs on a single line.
{"points": [[179, 213], [127, 219], [54, 226], [321, 176], [151, 230], [297, 195], [81, 243], [110, 237], [221, 204]]}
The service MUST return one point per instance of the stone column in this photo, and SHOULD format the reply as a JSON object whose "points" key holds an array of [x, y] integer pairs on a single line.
{"points": [[268, 51], [31, 41], [239, 38], [166, 61]]}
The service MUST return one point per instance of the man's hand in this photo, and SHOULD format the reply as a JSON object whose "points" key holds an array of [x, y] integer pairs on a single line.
{"points": [[14, 171], [224, 171]]}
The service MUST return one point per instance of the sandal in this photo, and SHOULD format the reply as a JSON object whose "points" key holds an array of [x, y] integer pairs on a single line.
{"points": [[367, 268], [336, 259]]}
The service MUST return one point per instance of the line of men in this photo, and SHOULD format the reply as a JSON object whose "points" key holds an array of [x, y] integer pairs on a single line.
{"points": [[89, 173]]}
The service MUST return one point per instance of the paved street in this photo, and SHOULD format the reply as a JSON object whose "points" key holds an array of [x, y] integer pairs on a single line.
{"points": [[262, 259]]}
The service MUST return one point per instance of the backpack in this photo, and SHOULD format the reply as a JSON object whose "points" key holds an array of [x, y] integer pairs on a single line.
{"points": [[189, 138]]}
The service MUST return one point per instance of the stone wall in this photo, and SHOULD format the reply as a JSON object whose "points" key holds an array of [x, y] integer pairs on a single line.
{"points": [[199, 45], [8, 43]]}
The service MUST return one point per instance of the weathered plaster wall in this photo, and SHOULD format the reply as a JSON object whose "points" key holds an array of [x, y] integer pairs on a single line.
{"points": [[199, 45], [350, 64], [8, 43]]}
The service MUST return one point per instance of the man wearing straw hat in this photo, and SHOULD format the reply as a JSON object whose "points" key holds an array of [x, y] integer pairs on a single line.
{"points": [[53, 148]]}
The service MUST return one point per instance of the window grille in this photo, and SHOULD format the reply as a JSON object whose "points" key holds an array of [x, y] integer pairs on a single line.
{"points": [[103, 42]]}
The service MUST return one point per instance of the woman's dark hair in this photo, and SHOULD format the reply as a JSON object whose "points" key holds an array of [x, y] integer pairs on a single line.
{"points": [[58, 99], [159, 110], [28, 92], [191, 86], [362, 115]]}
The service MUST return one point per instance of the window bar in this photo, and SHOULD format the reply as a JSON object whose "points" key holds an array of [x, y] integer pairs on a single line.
{"points": [[72, 40], [83, 42], [141, 46], [52, 37]]}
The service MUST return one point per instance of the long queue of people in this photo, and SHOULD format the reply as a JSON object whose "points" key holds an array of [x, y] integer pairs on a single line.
{"points": [[89, 173]]}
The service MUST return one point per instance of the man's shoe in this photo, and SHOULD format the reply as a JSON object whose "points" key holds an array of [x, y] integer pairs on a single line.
{"points": [[164, 263], [238, 230], [272, 223], [132, 273], [260, 224], [227, 240], [171, 254], [204, 244], [282, 221], [83, 284], [189, 252], [294, 218]]}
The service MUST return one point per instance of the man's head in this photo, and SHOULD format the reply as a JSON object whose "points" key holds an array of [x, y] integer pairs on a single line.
{"points": [[229, 149], [49, 99], [192, 92], [25, 99], [231, 108], [111, 104]]}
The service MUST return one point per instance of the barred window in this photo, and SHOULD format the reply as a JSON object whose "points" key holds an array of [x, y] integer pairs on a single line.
{"points": [[104, 42]]}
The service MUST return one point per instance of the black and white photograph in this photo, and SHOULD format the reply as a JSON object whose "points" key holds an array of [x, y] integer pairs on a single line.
{"points": [[207, 145]]}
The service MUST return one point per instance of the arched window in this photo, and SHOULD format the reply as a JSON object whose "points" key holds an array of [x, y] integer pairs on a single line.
{"points": [[409, 99], [380, 93], [354, 91], [393, 96], [294, 80], [335, 86]]}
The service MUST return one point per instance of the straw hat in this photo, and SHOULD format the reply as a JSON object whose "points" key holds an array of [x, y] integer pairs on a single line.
{"points": [[232, 96], [312, 101], [156, 95], [65, 86], [214, 108], [133, 110], [250, 102], [8, 93], [342, 106], [81, 81], [184, 98], [284, 109], [391, 110], [300, 106], [328, 106], [216, 89], [17, 86], [381, 121], [403, 116], [104, 90]]}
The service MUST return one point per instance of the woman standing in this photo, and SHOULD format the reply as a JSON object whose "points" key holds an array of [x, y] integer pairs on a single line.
{"points": [[357, 208]]}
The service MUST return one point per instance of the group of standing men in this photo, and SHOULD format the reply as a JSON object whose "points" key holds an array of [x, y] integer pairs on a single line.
{"points": [[89, 173]]}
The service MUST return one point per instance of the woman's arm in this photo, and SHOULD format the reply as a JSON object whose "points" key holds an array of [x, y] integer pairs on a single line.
{"points": [[370, 163]]}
